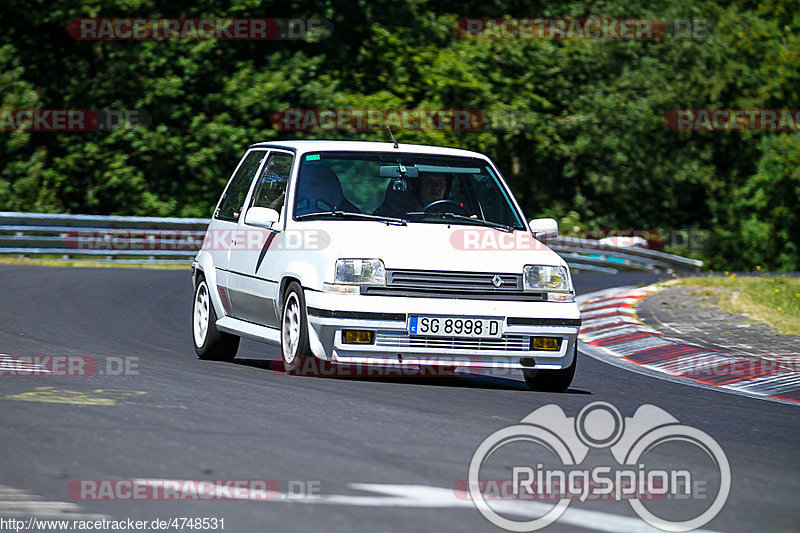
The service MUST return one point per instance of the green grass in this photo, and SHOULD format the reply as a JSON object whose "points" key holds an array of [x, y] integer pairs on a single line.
{"points": [[86, 263], [771, 299]]}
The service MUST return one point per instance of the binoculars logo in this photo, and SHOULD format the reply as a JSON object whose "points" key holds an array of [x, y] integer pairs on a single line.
{"points": [[560, 446]]}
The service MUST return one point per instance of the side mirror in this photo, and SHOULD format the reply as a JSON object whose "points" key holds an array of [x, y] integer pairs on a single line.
{"points": [[261, 217], [544, 228]]}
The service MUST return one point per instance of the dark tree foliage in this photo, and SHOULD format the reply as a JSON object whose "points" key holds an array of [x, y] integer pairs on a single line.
{"points": [[588, 143]]}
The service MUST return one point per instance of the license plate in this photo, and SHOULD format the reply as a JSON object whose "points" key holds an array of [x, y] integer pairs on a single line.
{"points": [[452, 326]]}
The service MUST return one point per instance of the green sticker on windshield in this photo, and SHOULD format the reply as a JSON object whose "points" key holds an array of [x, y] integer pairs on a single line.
{"points": [[312, 157]]}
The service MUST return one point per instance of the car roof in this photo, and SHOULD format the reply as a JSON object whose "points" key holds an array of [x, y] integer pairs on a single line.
{"points": [[365, 146]]}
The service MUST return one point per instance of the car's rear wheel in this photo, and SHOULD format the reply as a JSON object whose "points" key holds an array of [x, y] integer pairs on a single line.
{"points": [[209, 342], [294, 330], [552, 380]]}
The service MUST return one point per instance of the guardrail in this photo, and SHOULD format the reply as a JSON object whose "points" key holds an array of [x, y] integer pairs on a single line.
{"points": [[591, 254], [110, 238], [176, 240]]}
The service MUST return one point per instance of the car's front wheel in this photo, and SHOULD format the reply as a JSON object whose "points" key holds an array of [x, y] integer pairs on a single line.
{"points": [[209, 342], [552, 380], [294, 330]]}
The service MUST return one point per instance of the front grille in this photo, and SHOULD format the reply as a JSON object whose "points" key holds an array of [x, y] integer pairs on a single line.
{"points": [[507, 343], [449, 284], [453, 281]]}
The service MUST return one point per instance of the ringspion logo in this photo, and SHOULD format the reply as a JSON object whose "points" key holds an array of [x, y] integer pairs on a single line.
{"points": [[542, 458]]}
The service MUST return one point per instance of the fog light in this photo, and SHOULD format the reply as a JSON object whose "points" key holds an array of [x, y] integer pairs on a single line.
{"points": [[357, 336], [550, 344]]}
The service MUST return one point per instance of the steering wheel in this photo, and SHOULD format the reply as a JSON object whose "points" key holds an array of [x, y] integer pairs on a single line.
{"points": [[440, 202]]}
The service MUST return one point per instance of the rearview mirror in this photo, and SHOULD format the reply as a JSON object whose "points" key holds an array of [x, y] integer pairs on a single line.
{"points": [[544, 228], [393, 171], [261, 217]]}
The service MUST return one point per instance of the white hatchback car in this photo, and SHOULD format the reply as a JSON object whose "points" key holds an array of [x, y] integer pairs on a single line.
{"points": [[383, 254]]}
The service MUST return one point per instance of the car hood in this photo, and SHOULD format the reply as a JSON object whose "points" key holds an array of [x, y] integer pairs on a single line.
{"points": [[434, 246]]}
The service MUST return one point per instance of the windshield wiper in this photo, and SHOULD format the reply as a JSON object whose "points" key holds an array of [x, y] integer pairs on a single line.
{"points": [[477, 221], [348, 214]]}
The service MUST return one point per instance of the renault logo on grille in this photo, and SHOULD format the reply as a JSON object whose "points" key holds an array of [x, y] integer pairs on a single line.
{"points": [[497, 281]]}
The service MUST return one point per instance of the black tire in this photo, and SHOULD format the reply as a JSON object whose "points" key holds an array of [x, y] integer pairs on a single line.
{"points": [[552, 380], [209, 343], [295, 348]]}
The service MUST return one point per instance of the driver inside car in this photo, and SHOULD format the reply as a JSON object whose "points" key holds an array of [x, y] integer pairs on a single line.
{"points": [[432, 188], [413, 194]]}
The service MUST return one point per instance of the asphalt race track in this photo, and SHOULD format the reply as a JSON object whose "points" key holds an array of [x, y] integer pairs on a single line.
{"points": [[406, 441]]}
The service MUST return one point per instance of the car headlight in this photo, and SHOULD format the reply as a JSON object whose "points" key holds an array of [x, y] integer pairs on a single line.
{"points": [[360, 272], [550, 279]]}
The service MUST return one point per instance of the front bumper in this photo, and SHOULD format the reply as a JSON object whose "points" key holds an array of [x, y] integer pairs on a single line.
{"points": [[387, 316]]}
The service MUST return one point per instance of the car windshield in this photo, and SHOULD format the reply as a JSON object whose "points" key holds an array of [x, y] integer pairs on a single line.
{"points": [[413, 187]]}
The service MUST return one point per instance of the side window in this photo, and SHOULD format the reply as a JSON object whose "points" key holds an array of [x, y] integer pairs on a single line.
{"points": [[271, 187], [231, 205]]}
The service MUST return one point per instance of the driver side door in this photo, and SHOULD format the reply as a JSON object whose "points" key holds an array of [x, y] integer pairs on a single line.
{"points": [[253, 282]]}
